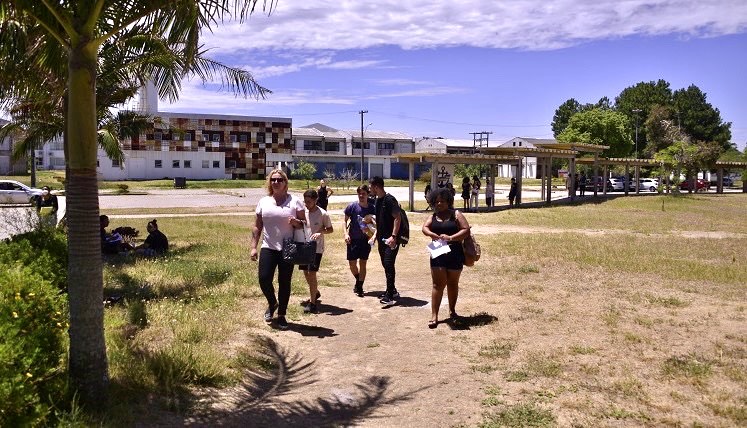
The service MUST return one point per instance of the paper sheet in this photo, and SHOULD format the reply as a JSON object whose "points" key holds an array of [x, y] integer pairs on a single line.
{"points": [[438, 248]]}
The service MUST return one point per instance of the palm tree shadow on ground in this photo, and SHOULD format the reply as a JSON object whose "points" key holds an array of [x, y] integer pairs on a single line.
{"points": [[259, 399]]}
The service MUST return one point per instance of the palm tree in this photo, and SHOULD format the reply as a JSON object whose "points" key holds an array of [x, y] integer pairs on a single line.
{"points": [[78, 31]]}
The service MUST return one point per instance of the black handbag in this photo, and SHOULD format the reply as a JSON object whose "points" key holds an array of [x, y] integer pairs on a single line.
{"points": [[299, 252]]}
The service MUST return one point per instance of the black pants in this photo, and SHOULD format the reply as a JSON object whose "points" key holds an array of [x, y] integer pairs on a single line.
{"points": [[388, 258], [269, 260]]}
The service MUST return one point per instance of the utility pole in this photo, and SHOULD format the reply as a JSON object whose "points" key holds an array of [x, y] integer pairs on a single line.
{"points": [[477, 142], [362, 112], [636, 111]]}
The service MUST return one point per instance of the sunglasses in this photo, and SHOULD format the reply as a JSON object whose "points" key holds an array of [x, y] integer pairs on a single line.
{"points": [[277, 180]]}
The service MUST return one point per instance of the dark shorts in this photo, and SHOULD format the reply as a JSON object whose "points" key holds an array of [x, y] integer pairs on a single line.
{"points": [[315, 266], [453, 260], [359, 249]]}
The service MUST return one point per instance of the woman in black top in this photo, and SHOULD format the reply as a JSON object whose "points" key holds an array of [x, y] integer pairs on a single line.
{"points": [[450, 226], [466, 192], [324, 193]]}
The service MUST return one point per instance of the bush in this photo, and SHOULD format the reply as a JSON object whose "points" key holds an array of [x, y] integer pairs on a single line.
{"points": [[42, 251], [32, 324]]}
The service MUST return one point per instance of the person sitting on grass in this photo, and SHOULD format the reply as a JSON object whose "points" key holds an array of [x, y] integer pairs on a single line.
{"points": [[155, 244], [111, 243]]}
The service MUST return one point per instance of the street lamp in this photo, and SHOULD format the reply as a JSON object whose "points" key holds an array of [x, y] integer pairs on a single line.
{"points": [[636, 111], [362, 112]]}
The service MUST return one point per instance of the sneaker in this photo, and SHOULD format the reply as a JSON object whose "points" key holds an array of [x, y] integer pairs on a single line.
{"points": [[282, 323], [270, 311], [387, 300], [394, 296], [358, 290], [310, 309]]}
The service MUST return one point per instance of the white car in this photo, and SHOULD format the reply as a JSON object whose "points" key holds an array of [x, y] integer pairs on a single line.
{"points": [[615, 183], [648, 184], [13, 192]]}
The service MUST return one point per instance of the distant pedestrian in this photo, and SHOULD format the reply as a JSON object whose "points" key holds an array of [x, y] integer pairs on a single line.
{"points": [[358, 243], [277, 216], [489, 192], [47, 206], [317, 225], [466, 193], [451, 188], [427, 194], [324, 193], [388, 219], [582, 185], [512, 193], [475, 192]]}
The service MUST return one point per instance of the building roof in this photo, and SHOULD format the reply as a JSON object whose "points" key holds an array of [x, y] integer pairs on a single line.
{"points": [[321, 127], [315, 133], [355, 135], [168, 115]]}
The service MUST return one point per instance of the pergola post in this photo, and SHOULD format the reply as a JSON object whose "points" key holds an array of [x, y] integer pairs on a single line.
{"points": [[519, 175], [411, 166], [541, 166], [596, 172], [627, 178], [637, 179], [549, 180], [720, 182], [572, 178], [605, 179]]}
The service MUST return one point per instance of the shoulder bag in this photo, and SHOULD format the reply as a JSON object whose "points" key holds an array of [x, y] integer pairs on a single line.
{"points": [[299, 252]]}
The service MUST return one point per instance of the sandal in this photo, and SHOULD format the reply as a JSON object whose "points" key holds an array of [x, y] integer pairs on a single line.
{"points": [[454, 315], [432, 323]]}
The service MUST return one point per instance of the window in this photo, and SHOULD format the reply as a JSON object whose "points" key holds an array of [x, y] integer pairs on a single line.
{"points": [[358, 145], [331, 147], [216, 164], [232, 164], [234, 139], [206, 164], [175, 164], [386, 146], [175, 136], [244, 138], [158, 163], [312, 145], [97, 163], [187, 136], [216, 137], [188, 164], [260, 137], [115, 163], [157, 136]]}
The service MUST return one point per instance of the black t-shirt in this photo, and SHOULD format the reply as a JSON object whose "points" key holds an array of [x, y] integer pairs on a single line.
{"points": [[386, 208], [322, 194], [157, 241]]}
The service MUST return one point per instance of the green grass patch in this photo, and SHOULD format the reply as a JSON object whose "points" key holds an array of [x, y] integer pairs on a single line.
{"points": [[689, 366], [497, 349], [519, 415]]}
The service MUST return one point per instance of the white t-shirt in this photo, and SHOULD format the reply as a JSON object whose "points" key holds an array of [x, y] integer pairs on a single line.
{"points": [[275, 220], [315, 222]]}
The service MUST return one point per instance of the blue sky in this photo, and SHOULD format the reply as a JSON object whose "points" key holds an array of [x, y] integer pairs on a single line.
{"points": [[435, 68]]}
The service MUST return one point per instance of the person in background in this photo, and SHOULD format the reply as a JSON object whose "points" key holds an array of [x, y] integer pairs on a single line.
{"points": [[324, 193], [155, 244], [475, 192], [451, 188], [111, 243], [466, 193], [358, 244], [512, 193], [489, 192], [317, 225], [582, 185], [427, 194], [47, 206], [388, 218], [449, 226], [277, 216]]}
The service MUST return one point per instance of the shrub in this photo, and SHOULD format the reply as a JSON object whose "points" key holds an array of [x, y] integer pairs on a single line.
{"points": [[43, 251], [32, 324]]}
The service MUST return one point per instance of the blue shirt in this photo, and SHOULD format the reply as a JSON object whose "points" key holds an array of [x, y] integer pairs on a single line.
{"points": [[353, 211]]}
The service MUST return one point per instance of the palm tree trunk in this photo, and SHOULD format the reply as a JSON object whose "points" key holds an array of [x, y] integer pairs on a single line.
{"points": [[88, 363]]}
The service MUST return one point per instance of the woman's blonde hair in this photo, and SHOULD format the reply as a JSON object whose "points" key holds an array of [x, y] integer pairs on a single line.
{"points": [[269, 176]]}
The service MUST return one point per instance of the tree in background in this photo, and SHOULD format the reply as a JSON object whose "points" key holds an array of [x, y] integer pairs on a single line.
{"points": [[642, 96], [304, 171], [71, 34], [566, 110], [698, 118], [601, 127]]}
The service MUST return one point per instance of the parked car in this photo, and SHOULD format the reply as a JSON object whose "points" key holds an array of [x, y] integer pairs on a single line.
{"points": [[615, 183], [13, 192], [728, 182], [649, 184], [700, 186], [591, 182]]}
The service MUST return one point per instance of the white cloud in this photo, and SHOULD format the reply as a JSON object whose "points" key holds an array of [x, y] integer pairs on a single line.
{"points": [[528, 24], [352, 64]]}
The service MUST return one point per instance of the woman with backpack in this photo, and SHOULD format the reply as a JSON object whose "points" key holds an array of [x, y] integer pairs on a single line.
{"points": [[449, 227]]}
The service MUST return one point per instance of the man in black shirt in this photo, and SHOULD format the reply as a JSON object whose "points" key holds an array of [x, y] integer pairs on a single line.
{"points": [[387, 229]]}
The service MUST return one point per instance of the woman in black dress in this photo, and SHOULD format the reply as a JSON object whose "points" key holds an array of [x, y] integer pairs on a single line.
{"points": [[324, 193], [466, 192], [447, 225]]}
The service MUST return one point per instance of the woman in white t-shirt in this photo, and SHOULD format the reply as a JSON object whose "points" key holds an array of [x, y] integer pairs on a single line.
{"points": [[278, 215]]}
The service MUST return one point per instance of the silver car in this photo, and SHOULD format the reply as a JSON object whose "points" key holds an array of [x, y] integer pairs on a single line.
{"points": [[615, 183], [13, 192], [649, 184]]}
